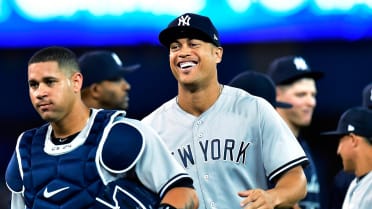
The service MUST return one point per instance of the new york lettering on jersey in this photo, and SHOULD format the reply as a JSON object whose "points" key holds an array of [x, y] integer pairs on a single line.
{"points": [[215, 149]]}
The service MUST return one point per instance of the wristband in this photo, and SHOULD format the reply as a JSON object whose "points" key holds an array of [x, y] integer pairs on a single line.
{"points": [[166, 206]]}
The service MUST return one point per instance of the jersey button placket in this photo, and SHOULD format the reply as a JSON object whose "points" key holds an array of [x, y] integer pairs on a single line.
{"points": [[199, 134], [213, 205], [198, 126]]}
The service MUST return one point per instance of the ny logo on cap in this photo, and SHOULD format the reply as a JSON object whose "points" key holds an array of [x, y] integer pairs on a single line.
{"points": [[300, 63], [117, 59], [184, 21], [216, 38], [350, 128], [370, 95]]}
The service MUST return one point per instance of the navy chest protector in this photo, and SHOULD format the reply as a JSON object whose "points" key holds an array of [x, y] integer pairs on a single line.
{"points": [[71, 180]]}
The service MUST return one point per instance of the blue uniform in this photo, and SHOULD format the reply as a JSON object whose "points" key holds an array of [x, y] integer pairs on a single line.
{"points": [[88, 171], [312, 199]]}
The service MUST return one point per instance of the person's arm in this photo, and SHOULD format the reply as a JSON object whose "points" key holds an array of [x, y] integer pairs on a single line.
{"points": [[288, 190], [17, 201], [14, 183], [180, 198], [154, 166]]}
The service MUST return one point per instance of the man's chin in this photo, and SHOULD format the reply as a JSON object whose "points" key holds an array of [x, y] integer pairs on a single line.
{"points": [[306, 122], [48, 118], [122, 107]]}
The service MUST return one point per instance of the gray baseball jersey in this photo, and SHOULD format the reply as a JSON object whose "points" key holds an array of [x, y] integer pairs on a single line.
{"points": [[239, 143], [359, 193]]}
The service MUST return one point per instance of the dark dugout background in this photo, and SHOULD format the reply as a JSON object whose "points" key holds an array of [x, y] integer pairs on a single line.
{"points": [[347, 68]]}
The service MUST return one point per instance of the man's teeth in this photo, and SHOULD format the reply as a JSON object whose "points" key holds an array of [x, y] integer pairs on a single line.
{"points": [[187, 64]]}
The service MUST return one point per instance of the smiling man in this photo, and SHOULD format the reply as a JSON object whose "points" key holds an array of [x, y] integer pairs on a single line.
{"points": [[229, 141], [354, 135]]}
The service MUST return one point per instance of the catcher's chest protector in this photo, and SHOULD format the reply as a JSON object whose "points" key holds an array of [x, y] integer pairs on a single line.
{"points": [[66, 181]]}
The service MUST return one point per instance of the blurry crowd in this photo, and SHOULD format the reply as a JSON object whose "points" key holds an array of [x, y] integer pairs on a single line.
{"points": [[289, 85]]}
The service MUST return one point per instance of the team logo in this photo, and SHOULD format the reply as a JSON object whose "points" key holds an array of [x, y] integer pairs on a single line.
{"points": [[370, 95], [117, 59], [300, 63], [350, 128], [215, 37], [184, 20]]}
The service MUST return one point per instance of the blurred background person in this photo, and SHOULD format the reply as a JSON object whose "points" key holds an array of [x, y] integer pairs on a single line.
{"points": [[343, 179], [104, 85], [355, 148], [258, 84], [296, 84]]}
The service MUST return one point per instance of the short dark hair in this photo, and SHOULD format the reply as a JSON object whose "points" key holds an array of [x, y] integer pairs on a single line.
{"points": [[65, 58]]}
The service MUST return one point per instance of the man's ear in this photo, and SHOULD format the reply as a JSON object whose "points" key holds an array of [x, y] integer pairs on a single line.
{"points": [[218, 52], [95, 90], [279, 92], [77, 81], [354, 139]]}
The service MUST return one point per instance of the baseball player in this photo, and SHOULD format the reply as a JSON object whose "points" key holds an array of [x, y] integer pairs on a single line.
{"points": [[296, 84], [342, 179], [232, 143], [104, 85], [355, 148], [258, 84], [88, 158]]}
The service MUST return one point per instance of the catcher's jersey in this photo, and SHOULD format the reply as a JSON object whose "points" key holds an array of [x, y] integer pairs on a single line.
{"points": [[359, 193], [239, 143], [113, 157]]}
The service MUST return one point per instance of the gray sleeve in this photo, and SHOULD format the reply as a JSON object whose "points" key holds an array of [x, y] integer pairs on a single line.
{"points": [[157, 168], [281, 149], [17, 201]]}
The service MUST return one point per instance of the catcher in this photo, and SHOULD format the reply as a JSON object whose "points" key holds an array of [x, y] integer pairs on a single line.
{"points": [[88, 158]]}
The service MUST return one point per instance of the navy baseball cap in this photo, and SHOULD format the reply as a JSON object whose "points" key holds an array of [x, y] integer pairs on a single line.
{"points": [[285, 70], [260, 85], [97, 66], [357, 120], [367, 96], [190, 25]]}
